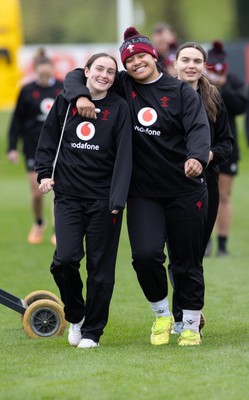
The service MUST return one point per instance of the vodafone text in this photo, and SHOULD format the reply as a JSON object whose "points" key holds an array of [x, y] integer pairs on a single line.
{"points": [[147, 131], [86, 146]]}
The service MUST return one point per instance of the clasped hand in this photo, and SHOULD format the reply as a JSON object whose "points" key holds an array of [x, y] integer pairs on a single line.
{"points": [[46, 185], [192, 168]]}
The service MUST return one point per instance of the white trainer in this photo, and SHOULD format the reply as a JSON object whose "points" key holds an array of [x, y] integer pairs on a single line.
{"points": [[74, 334], [87, 344]]}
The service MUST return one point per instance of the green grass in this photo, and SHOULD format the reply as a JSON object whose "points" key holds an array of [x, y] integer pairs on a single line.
{"points": [[125, 366]]}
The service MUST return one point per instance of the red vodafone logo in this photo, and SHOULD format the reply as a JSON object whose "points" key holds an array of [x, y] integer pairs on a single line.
{"points": [[46, 105], [85, 130], [147, 116]]}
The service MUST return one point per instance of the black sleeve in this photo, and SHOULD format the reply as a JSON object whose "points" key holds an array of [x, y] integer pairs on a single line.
{"points": [[49, 139], [74, 86], [222, 145], [196, 125], [234, 95], [17, 122], [123, 163]]}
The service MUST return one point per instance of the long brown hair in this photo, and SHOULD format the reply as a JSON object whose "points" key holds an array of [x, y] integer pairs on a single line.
{"points": [[209, 93]]}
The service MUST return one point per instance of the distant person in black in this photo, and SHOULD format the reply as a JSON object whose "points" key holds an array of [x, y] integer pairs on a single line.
{"points": [[233, 92], [163, 37], [247, 118], [189, 63], [91, 183], [168, 193], [168, 64], [34, 102]]}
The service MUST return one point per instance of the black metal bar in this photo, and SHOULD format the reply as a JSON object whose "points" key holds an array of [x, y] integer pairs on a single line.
{"points": [[11, 301]]}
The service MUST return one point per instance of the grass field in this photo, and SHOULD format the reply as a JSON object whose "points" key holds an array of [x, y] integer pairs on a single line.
{"points": [[125, 366]]}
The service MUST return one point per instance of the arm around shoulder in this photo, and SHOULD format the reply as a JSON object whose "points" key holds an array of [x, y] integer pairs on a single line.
{"points": [[123, 164], [74, 86]]}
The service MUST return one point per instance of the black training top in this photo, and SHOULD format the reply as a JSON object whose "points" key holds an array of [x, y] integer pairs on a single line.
{"points": [[170, 125], [33, 104], [235, 98], [94, 160], [221, 143]]}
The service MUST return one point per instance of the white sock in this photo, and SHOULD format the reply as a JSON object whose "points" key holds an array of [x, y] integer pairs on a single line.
{"points": [[191, 320], [161, 307]]}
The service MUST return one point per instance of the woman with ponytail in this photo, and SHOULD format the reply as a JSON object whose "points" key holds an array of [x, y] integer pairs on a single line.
{"points": [[190, 61]]}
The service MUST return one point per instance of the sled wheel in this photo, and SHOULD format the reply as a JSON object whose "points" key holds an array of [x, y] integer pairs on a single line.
{"points": [[41, 295], [44, 318]]}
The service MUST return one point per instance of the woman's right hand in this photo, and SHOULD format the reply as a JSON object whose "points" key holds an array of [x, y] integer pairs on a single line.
{"points": [[13, 156], [86, 108], [46, 185]]}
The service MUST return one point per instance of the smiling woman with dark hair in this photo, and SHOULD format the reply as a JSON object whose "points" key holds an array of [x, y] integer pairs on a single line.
{"points": [[91, 181]]}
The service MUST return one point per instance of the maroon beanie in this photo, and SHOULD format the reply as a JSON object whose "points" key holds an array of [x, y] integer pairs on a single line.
{"points": [[217, 58], [135, 43]]}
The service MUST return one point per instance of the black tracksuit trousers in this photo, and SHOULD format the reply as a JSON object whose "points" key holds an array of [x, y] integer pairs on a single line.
{"points": [[91, 220], [213, 204], [182, 221]]}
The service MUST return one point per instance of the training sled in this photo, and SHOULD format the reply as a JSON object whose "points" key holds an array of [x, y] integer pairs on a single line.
{"points": [[42, 313]]}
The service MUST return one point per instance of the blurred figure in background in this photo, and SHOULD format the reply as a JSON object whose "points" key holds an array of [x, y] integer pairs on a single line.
{"points": [[169, 61], [247, 118], [33, 104], [163, 36], [234, 95]]}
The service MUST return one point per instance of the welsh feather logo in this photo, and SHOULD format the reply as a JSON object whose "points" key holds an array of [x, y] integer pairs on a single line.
{"points": [[85, 131], [147, 116]]}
